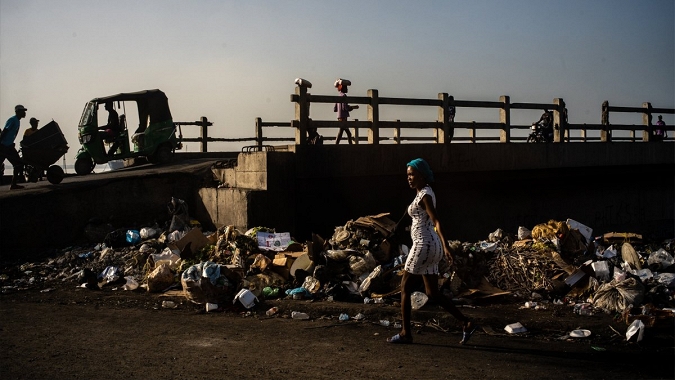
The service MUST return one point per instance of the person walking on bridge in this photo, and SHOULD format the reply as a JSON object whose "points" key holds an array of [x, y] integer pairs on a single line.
{"points": [[429, 245], [7, 149], [343, 109]]}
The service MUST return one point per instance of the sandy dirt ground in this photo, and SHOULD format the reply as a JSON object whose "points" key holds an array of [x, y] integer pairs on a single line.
{"points": [[76, 333]]}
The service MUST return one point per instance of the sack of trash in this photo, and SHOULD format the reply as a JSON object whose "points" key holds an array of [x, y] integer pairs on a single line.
{"points": [[206, 282], [619, 295], [160, 278]]}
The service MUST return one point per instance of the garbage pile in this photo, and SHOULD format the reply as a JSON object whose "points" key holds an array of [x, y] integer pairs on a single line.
{"points": [[561, 262]]}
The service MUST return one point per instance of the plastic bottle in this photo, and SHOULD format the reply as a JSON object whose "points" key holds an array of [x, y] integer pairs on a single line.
{"points": [[299, 315], [272, 311], [418, 299]]}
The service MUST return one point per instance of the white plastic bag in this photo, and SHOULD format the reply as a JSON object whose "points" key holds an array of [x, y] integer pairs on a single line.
{"points": [[636, 327]]}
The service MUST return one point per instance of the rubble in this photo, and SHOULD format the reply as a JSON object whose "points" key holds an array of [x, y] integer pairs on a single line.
{"points": [[555, 263]]}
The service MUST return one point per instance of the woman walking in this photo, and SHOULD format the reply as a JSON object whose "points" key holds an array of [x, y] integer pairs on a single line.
{"points": [[427, 250]]}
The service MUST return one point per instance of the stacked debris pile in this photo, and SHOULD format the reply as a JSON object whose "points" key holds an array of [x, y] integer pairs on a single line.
{"points": [[561, 262]]}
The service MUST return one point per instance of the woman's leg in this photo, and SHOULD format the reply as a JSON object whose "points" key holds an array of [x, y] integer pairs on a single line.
{"points": [[408, 283], [431, 287]]}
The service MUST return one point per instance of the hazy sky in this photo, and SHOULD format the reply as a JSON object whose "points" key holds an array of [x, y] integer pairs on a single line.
{"points": [[233, 61]]}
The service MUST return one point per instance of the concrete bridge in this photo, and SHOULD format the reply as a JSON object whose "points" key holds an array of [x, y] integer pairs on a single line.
{"points": [[303, 189]]}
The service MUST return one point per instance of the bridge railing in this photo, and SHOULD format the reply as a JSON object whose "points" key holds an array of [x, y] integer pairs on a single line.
{"points": [[444, 127]]}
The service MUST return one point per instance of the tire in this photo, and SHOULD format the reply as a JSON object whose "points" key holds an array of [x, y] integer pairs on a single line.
{"points": [[84, 166], [162, 155], [55, 174]]}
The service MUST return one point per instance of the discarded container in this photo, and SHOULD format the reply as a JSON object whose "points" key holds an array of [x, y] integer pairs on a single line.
{"points": [[418, 299], [580, 333], [299, 315], [211, 307], [515, 328], [586, 231], [272, 311], [246, 298]]}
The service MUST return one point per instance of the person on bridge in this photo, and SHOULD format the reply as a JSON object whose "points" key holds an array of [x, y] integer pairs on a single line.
{"points": [[660, 131], [7, 149], [546, 121], [429, 246], [343, 109]]}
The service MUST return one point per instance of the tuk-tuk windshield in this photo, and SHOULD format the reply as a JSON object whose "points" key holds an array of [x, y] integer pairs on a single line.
{"points": [[88, 114]]}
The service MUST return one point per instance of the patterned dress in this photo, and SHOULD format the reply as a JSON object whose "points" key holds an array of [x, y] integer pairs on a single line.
{"points": [[426, 251]]}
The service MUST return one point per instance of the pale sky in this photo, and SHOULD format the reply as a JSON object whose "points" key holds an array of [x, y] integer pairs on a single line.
{"points": [[233, 61]]}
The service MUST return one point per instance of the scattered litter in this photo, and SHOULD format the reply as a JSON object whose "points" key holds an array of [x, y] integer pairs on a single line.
{"points": [[580, 333], [637, 327], [515, 328]]}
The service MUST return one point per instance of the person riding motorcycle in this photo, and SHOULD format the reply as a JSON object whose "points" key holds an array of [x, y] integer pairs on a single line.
{"points": [[546, 123]]}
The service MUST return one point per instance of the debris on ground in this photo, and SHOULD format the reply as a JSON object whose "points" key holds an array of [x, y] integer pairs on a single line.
{"points": [[555, 263]]}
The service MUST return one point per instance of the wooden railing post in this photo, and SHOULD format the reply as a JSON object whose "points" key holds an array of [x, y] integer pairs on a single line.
{"points": [[397, 132], [302, 115], [558, 120], [204, 133], [505, 119], [606, 133], [647, 133], [444, 132], [374, 117], [472, 132], [258, 132]]}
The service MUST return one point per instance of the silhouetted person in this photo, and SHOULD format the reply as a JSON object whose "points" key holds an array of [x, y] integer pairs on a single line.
{"points": [[111, 130], [7, 149], [33, 127], [343, 109], [660, 130]]}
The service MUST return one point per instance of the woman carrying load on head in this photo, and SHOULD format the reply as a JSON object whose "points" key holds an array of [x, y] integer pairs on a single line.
{"points": [[426, 253]]}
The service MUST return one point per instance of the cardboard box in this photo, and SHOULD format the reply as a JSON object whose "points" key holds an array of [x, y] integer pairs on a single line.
{"points": [[195, 236], [283, 261]]}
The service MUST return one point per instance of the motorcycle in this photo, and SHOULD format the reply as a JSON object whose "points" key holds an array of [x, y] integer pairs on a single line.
{"points": [[538, 134]]}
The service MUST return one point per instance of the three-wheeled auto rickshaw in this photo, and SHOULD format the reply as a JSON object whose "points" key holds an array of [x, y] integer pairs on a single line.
{"points": [[155, 137]]}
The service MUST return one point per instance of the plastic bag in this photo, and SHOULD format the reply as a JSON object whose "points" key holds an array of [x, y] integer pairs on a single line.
{"points": [[133, 237], [618, 296], [360, 265], [524, 233], [160, 278], [636, 327], [131, 284], [660, 259]]}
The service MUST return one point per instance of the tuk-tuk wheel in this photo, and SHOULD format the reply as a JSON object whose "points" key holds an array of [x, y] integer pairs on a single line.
{"points": [[84, 166], [55, 174], [162, 155]]}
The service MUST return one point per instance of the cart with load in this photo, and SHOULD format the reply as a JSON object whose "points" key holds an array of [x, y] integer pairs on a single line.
{"points": [[41, 150]]}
